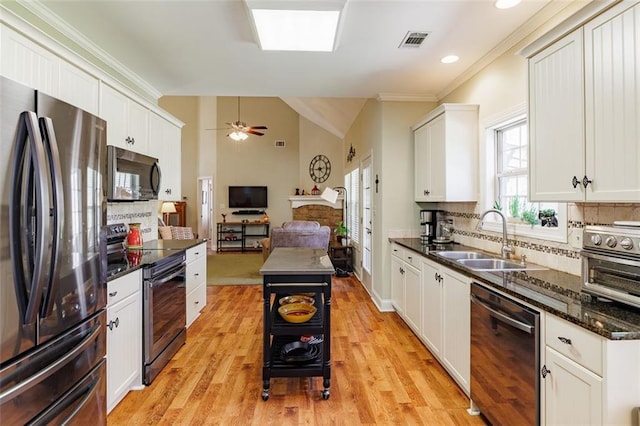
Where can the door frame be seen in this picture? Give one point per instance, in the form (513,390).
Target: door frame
(202,180)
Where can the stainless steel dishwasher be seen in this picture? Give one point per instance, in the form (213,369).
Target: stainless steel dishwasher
(505,342)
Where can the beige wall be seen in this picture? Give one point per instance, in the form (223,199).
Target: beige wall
(315,140)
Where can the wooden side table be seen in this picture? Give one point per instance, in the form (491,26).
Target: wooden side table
(341,256)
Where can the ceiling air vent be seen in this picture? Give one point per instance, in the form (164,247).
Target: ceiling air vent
(413,39)
(280,143)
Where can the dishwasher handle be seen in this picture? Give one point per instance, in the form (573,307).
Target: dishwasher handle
(515,323)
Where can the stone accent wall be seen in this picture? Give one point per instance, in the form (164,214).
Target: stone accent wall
(323,214)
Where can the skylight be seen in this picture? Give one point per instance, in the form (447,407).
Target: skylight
(296,29)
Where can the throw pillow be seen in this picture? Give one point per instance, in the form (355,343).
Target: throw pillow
(165,232)
(181,233)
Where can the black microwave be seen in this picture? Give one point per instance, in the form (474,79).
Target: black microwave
(131,176)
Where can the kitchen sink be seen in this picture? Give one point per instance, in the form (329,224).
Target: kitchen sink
(493,264)
(463,255)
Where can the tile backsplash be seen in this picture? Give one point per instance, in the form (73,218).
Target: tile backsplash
(561,256)
(143,212)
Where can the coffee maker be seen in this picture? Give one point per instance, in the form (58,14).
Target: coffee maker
(444,229)
(428,224)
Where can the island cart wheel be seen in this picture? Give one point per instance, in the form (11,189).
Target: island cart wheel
(265,394)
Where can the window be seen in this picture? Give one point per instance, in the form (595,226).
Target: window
(509,139)
(351,182)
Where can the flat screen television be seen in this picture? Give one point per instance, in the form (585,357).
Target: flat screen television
(252,197)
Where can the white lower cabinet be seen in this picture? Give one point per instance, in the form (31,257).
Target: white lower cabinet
(406,286)
(587,379)
(431,330)
(124,337)
(196,281)
(456,329)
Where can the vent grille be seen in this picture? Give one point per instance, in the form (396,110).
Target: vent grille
(413,39)
(280,144)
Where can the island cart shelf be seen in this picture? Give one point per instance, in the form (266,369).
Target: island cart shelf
(294,271)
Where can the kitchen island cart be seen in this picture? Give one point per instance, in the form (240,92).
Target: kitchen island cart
(289,271)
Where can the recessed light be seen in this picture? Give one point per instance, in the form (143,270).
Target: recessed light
(506,4)
(449,59)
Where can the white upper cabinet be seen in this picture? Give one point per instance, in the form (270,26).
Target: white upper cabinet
(28,63)
(556,121)
(127,120)
(31,64)
(165,143)
(584,110)
(445,144)
(612,89)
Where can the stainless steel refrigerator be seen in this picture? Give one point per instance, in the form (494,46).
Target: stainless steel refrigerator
(52,260)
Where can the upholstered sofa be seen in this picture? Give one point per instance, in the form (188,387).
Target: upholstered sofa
(297,233)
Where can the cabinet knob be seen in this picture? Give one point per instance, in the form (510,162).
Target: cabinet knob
(427,192)
(575,182)
(167,191)
(113,294)
(586,181)
(545,371)
(196,302)
(564,340)
(196,274)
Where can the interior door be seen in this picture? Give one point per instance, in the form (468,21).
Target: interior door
(367,222)
(205,209)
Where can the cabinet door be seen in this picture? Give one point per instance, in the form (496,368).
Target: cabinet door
(79,88)
(431,308)
(422,179)
(397,284)
(165,145)
(456,333)
(138,126)
(556,121)
(437,159)
(113,109)
(124,352)
(429,147)
(612,74)
(28,63)
(413,297)
(567,387)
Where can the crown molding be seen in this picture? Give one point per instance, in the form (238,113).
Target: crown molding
(400,97)
(42,12)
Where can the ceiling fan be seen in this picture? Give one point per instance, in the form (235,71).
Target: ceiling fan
(239,131)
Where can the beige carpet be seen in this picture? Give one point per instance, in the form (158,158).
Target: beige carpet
(234,268)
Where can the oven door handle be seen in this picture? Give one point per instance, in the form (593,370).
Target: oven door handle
(180,270)
(517,324)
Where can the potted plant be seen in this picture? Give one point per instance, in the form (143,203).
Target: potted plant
(341,232)
(548,218)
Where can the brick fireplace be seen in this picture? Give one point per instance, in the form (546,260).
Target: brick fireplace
(315,208)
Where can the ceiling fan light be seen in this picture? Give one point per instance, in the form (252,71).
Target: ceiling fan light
(237,135)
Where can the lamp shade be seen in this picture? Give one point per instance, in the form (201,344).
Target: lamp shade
(330,195)
(168,207)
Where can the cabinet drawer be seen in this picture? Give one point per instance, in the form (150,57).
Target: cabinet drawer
(196,252)
(397,251)
(411,257)
(196,273)
(124,286)
(575,343)
(196,300)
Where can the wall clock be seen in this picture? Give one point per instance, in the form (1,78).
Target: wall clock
(319,168)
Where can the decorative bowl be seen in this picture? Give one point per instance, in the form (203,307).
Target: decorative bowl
(297,298)
(297,312)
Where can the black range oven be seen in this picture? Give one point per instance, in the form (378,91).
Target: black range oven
(163,309)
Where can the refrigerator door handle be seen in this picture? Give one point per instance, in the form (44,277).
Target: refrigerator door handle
(28,130)
(53,155)
(29,382)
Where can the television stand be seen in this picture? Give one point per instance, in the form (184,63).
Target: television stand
(241,236)
(248,212)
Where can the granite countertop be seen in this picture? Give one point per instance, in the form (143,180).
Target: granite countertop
(297,261)
(550,290)
(151,252)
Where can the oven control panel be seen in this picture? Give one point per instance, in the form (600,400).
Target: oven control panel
(612,239)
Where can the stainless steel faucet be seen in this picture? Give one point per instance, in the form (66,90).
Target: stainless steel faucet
(506,248)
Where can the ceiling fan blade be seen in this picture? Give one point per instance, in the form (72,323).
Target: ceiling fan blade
(258,127)
(253,132)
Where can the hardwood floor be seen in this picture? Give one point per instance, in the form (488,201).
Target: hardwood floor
(381,373)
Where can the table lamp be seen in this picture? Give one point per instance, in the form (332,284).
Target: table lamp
(166,209)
